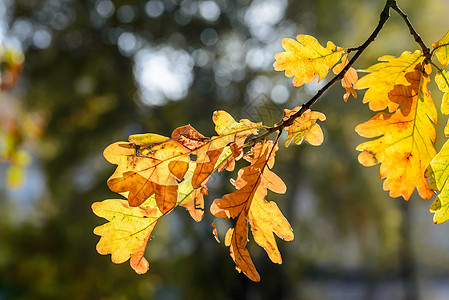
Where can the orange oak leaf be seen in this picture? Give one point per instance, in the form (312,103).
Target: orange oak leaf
(349,80)
(441,49)
(248,204)
(405,140)
(229,132)
(146,170)
(127,233)
(306,59)
(384,76)
(304,127)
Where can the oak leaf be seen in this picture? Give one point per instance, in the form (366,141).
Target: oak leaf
(384,76)
(306,59)
(146,170)
(127,233)
(304,127)
(248,204)
(441,49)
(438,173)
(405,140)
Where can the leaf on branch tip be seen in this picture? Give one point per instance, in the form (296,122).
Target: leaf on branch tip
(441,49)
(405,140)
(248,205)
(304,127)
(306,59)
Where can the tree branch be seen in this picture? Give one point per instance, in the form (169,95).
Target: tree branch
(384,15)
(416,36)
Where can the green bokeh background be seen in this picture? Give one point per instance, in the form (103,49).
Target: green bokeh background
(80,82)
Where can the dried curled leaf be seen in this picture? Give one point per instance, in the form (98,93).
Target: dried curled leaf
(248,204)
(126,234)
(438,173)
(306,59)
(349,80)
(304,127)
(384,76)
(405,140)
(441,49)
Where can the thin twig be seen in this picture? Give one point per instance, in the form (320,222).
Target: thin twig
(416,36)
(385,14)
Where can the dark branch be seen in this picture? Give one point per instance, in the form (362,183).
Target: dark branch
(418,39)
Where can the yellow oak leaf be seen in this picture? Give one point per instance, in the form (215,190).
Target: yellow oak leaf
(384,76)
(349,79)
(441,49)
(306,59)
(127,233)
(304,127)
(146,170)
(248,204)
(405,140)
(438,173)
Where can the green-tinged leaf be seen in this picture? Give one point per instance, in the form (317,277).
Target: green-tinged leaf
(442,80)
(126,234)
(438,173)
(304,127)
(441,49)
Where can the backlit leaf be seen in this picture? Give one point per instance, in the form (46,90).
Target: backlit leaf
(152,169)
(126,234)
(438,173)
(384,76)
(442,80)
(306,59)
(404,145)
(229,132)
(248,204)
(442,49)
(304,127)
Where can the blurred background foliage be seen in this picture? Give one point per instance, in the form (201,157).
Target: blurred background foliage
(96,71)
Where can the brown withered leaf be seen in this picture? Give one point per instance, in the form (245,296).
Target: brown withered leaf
(248,204)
